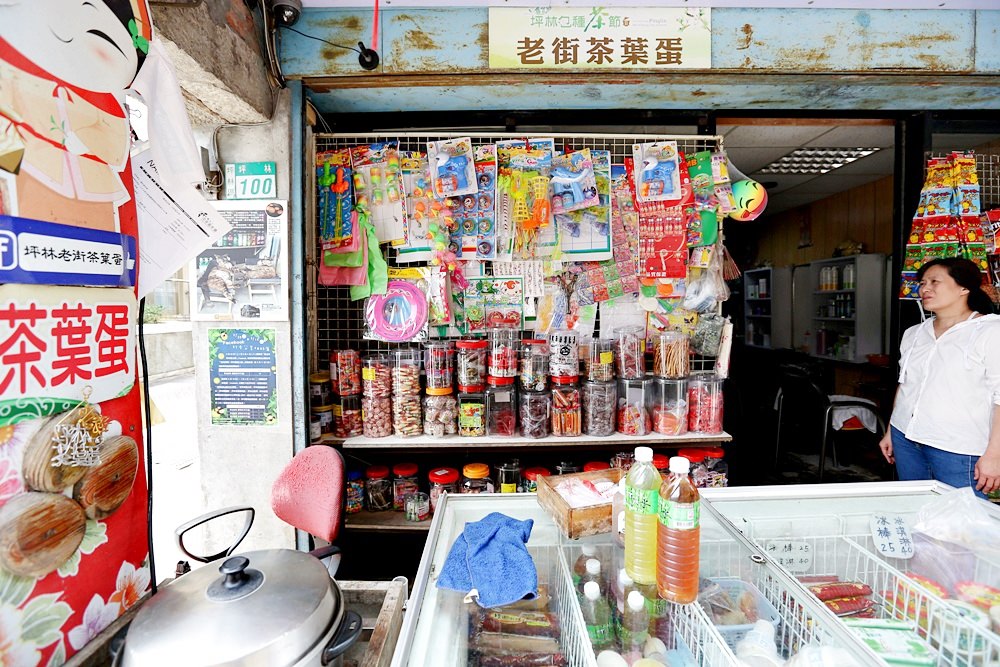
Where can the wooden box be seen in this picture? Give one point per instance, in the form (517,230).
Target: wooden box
(581,521)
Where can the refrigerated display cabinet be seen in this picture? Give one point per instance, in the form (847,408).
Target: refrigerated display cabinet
(739,528)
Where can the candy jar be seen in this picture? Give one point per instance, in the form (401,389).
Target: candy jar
(599,406)
(476,478)
(535,410)
(601,364)
(376,376)
(440,412)
(438,356)
(501,402)
(503,351)
(668,406)
(705,403)
(716,469)
(509,477)
(345,372)
(376,416)
(404,482)
(696,455)
(471,362)
(533,365)
(347,416)
(354,492)
(629,345)
(471,414)
(531,476)
(564,356)
(670,355)
(566,467)
(379,488)
(565,406)
(441,480)
(406,415)
(633,418)
(406,372)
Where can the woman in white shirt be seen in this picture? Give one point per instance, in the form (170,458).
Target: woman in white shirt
(945,423)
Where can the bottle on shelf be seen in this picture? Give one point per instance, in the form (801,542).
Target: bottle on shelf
(618,514)
(596,616)
(617,595)
(635,627)
(679,535)
(849,276)
(587,552)
(641,503)
(593,574)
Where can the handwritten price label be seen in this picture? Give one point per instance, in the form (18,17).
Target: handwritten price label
(892,536)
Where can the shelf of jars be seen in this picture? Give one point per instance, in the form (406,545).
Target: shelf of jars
(501,442)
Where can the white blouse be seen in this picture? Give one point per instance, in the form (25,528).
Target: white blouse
(949,385)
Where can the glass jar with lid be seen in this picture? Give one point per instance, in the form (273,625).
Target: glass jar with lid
(442,480)
(472,414)
(564,353)
(630,345)
(501,404)
(716,468)
(406,372)
(503,340)
(633,417)
(531,476)
(404,482)
(567,467)
(696,455)
(471,362)
(601,366)
(347,416)
(535,412)
(705,403)
(670,355)
(376,376)
(376,416)
(566,416)
(354,492)
(438,364)
(476,478)
(440,412)
(599,407)
(533,366)
(668,406)
(378,488)
(509,477)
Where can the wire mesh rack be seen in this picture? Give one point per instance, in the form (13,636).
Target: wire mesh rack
(335,321)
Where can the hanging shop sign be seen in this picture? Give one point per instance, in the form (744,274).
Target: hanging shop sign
(600,38)
(243,377)
(251,180)
(58,343)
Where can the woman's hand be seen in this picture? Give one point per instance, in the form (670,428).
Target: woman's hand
(885,444)
(987,472)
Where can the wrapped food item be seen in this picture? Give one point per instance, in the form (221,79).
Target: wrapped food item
(839,589)
(513,632)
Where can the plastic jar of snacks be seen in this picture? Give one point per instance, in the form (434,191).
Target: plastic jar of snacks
(705,403)
(376,416)
(345,372)
(442,480)
(633,418)
(376,376)
(404,482)
(440,412)
(594,466)
(509,477)
(531,476)
(566,467)
(472,414)
(347,416)
(503,351)
(438,360)
(378,488)
(406,372)
(629,349)
(354,492)
(471,362)
(325,414)
(668,406)
(670,355)
(601,364)
(564,355)
(696,455)
(599,406)
(716,468)
(535,412)
(501,406)
(476,478)
(319,389)
(533,366)
(406,415)
(566,416)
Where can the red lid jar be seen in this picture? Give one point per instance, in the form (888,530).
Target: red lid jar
(697,454)
(661,462)
(443,476)
(377,472)
(592,466)
(404,469)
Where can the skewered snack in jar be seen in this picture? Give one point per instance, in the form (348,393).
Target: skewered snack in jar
(670,355)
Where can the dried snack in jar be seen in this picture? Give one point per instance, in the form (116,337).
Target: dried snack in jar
(378,488)
(670,355)
(533,374)
(601,362)
(406,415)
(535,413)
(566,415)
(705,403)
(501,400)
(599,405)
(347,421)
(345,372)
(376,416)
(471,362)
(376,376)
(440,412)
(406,372)
(503,351)
(629,344)
(354,492)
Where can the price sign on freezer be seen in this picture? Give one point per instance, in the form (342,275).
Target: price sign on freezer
(251,180)
(891,536)
(794,556)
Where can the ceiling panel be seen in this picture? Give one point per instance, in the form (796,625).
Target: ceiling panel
(855,136)
(784,181)
(773,135)
(751,158)
(834,184)
(880,163)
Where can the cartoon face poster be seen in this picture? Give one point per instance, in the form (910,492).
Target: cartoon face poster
(72,469)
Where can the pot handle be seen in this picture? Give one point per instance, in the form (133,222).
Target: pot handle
(348,633)
(204,518)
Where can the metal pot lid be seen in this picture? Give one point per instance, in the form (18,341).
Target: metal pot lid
(263,607)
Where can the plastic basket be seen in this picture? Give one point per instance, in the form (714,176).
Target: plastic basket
(765,610)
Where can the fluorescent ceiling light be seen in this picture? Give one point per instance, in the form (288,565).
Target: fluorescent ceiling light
(816,160)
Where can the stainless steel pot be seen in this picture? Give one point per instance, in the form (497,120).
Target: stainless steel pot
(272,607)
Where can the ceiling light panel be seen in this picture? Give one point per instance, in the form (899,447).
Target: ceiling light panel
(816,160)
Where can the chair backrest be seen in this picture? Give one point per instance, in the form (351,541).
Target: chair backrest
(800,390)
(309,493)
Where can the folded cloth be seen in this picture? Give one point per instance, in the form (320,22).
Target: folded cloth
(843,414)
(490,562)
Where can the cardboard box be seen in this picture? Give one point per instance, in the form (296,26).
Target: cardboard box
(581,521)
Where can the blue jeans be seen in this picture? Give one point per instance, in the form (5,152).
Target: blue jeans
(917,461)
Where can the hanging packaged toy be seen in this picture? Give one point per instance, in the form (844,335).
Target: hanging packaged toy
(419,197)
(585,234)
(573,185)
(476,217)
(491,301)
(657,172)
(401,314)
(453,170)
(378,189)
(334,201)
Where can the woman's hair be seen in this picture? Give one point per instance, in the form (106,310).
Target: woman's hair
(966,274)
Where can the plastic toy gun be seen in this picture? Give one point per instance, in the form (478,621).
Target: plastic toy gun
(451,170)
(657,178)
(563,179)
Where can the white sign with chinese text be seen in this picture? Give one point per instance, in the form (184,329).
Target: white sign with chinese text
(891,535)
(795,556)
(600,38)
(57,341)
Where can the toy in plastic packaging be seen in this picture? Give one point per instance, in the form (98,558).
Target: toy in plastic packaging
(378,188)
(453,169)
(420,208)
(402,313)
(573,184)
(334,201)
(707,336)
(489,301)
(657,174)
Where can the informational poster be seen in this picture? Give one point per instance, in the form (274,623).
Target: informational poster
(242,276)
(243,376)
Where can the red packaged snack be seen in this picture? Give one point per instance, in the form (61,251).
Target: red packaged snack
(981,595)
(850,606)
(839,589)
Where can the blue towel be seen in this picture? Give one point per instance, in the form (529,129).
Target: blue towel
(490,562)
